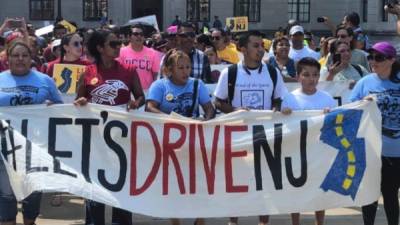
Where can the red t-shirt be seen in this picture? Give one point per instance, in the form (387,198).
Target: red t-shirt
(109,86)
(50,65)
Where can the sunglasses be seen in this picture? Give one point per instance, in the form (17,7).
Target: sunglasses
(187,35)
(377,58)
(77,44)
(217,38)
(137,33)
(115,44)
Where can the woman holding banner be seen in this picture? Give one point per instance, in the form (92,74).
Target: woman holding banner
(108,82)
(180,94)
(384,82)
(71,53)
(22,85)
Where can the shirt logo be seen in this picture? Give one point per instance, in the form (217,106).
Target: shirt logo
(108,92)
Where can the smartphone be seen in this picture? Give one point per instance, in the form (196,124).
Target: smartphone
(336,58)
(15,23)
(320,19)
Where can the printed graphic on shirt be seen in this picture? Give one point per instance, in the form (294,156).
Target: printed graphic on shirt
(143,64)
(23,95)
(388,103)
(107,92)
(67,80)
(183,103)
(253,99)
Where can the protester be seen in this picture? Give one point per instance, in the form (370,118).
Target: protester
(22,85)
(281,59)
(384,83)
(211,53)
(325,44)
(298,50)
(108,82)
(58,32)
(146,60)
(179,93)
(70,53)
(352,20)
(202,40)
(341,69)
(308,97)
(228,54)
(257,85)
(217,23)
(358,57)
(185,42)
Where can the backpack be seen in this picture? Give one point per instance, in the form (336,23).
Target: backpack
(358,68)
(232,74)
(194,96)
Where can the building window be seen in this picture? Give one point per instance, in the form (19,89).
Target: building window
(384,14)
(299,10)
(198,10)
(365,10)
(94,9)
(41,9)
(249,8)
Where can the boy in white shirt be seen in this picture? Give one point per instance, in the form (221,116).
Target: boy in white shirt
(308,97)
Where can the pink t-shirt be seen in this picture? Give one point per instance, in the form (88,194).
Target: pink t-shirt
(147,63)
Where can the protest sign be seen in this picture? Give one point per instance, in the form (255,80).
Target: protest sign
(240,164)
(237,24)
(152,20)
(66,77)
(71,28)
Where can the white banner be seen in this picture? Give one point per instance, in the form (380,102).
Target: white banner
(240,164)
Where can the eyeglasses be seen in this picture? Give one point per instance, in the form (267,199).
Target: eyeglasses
(137,33)
(377,58)
(217,38)
(77,44)
(115,44)
(187,35)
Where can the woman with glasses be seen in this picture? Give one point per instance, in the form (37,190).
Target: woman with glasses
(340,68)
(108,82)
(384,83)
(21,85)
(71,52)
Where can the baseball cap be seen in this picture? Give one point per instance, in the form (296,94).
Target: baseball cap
(296,29)
(384,48)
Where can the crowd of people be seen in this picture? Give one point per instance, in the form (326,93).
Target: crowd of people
(172,68)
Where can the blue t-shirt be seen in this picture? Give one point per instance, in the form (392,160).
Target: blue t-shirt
(179,99)
(388,95)
(33,88)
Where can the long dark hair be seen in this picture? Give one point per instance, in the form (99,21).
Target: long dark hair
(395,70)
(97,38)
(65,41)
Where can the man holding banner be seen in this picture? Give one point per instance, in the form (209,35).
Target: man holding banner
(250,84)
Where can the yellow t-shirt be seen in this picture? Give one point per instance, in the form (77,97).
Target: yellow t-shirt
(323,61)
(230,55)
(267,44)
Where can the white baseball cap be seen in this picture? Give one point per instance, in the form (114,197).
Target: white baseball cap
(296,29)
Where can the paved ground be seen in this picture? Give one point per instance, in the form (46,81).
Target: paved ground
(71,212)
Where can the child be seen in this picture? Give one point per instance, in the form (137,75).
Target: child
(308,97)
(176,93)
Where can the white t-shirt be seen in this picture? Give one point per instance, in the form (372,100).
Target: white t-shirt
(297,100)
(296,55)
(252,90)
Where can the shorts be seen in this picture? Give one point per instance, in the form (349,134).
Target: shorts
(8,202)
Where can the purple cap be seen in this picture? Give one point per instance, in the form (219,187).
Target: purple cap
(384,48)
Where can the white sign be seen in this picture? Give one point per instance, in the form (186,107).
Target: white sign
(240,164)
(152,20)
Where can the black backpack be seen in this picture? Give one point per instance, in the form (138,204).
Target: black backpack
(232,73)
